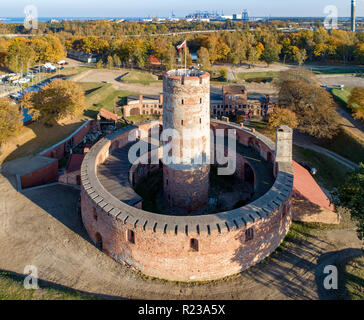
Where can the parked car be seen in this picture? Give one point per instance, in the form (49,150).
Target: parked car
(311,170)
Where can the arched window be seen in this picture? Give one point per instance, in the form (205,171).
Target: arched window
(99,244)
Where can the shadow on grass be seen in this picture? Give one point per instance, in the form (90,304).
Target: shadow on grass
(52,290)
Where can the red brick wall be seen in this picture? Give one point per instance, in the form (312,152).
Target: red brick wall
(169,256)
(57,152)
(40,177)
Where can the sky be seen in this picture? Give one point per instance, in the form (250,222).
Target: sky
(163,8)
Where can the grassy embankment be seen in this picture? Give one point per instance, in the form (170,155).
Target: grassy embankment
(144,78)
(35,137)
(352,278)
(12,288)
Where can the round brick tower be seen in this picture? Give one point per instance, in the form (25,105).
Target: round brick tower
(186,110)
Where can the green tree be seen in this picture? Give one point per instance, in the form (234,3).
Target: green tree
(351,195)
(57,100)
(11,119)
(300,57)
(270,55)
(204,59)
(223,73)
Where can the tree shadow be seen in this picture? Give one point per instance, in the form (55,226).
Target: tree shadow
(44,284)
(290,271)
(336,258)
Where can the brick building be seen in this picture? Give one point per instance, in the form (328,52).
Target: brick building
(235,101)
(138,105)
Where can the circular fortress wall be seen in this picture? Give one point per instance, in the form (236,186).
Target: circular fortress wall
(186,111)
(185,248)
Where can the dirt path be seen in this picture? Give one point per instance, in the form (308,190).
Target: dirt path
(41,227)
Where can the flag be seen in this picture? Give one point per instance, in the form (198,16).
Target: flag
(181,46)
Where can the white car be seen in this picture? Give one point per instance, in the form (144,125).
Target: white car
(24,80)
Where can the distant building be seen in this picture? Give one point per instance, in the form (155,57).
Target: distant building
(82,56)
(235,101)
(138,105)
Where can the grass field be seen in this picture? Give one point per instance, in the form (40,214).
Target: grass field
(11,288)
(101,95)
(257,76)
(342,96)
(139,77)
(338,70)
(330,173)
(345,145)
(353,278)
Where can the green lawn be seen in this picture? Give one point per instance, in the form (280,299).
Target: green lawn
(102,95)
(330,173)
(145,78)
(342,96)
(11,288)
(338,70)
(257,76)
(345,145)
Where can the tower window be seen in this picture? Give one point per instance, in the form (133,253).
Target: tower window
(249,234)
(131,236)
(200,120)
(194,244)
(95,214)
(183,101)
(200,100)
(182,122)
(167,182)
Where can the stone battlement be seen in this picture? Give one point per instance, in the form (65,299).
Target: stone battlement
(183,75)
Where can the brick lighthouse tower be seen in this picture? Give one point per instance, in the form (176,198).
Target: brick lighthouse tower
(187,112)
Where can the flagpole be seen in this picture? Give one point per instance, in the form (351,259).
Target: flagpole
(186,58)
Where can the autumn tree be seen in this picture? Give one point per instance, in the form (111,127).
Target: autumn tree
(282,116)
(297,74)
(313,106)
(57,100)
(20,55)
(356,103)
(11,119)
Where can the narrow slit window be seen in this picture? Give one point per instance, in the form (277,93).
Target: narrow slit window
(131,236)
(194,244)
(249,234)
